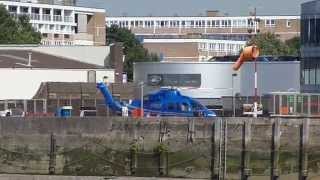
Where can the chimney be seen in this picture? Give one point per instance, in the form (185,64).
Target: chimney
(116,60)
(212,13)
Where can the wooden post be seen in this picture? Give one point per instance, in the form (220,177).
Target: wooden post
(163,162)
(215,146)
(163,130)
(245,159)
(133,159)
(52,154)
(191,131)
(303,153)
(275,149)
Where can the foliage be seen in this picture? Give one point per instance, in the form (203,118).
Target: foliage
(161,148)
(294,45)
(16,30)
(269,44)
(133,49)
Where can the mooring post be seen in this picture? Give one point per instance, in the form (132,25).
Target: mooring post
(215,146)
(191,131)
(275,149)
(245,158)
(303,152)
(163,130)
(133,158)
(52,154)
(163,162)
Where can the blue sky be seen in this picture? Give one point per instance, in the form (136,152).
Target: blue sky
(194,7)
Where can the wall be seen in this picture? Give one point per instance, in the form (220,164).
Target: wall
(191,148)
(216,77)
(24,83)
(272,77)
(174,51)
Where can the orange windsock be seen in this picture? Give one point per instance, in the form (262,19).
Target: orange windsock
(248,53)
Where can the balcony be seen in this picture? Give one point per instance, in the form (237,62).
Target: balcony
(68,19)
(35,16)
(57,18)
(46,17)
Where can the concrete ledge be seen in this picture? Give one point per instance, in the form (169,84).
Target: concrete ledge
(47,177)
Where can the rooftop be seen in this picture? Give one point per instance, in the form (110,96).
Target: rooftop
(20,59)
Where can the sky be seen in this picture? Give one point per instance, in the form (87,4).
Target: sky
(194,7)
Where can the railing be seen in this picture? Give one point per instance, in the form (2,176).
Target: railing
(34,16)
(46,17)
(57,43)
(57,18)
(68,19)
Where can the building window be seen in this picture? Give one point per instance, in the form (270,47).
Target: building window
(270,22)
(288,23)
(67,36)
(45,35)
(56,35)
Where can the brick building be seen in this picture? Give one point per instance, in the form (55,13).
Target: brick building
(200,38)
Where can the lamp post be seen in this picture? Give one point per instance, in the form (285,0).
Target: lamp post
(233,96)
(255,21)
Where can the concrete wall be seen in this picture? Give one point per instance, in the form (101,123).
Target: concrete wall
(24,83)
(101,146)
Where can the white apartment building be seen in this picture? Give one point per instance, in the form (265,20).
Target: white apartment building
(230,27)
(62,25)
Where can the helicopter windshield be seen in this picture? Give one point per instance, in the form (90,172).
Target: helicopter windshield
(196,106)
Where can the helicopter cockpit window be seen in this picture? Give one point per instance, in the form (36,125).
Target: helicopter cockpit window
(196,106)
(184,107)
(171,106)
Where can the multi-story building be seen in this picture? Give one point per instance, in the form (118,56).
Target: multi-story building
(310,47)
(216,27)
(62,24)
(192,49)
(200,38)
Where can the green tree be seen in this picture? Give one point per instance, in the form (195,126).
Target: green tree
(133,49)
(269,44)
(16,30)
(294,46)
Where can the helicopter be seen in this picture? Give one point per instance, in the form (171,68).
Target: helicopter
(165,102)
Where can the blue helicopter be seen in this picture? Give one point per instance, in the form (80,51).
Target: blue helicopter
(165,102)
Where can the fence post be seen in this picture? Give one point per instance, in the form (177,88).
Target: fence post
(52,154)
(275,147)
(303,152)
(215,146)
(245,159)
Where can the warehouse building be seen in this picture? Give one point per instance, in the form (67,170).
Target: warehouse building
(23,71)
(210,81)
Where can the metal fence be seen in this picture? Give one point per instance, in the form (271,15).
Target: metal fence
(44,107)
